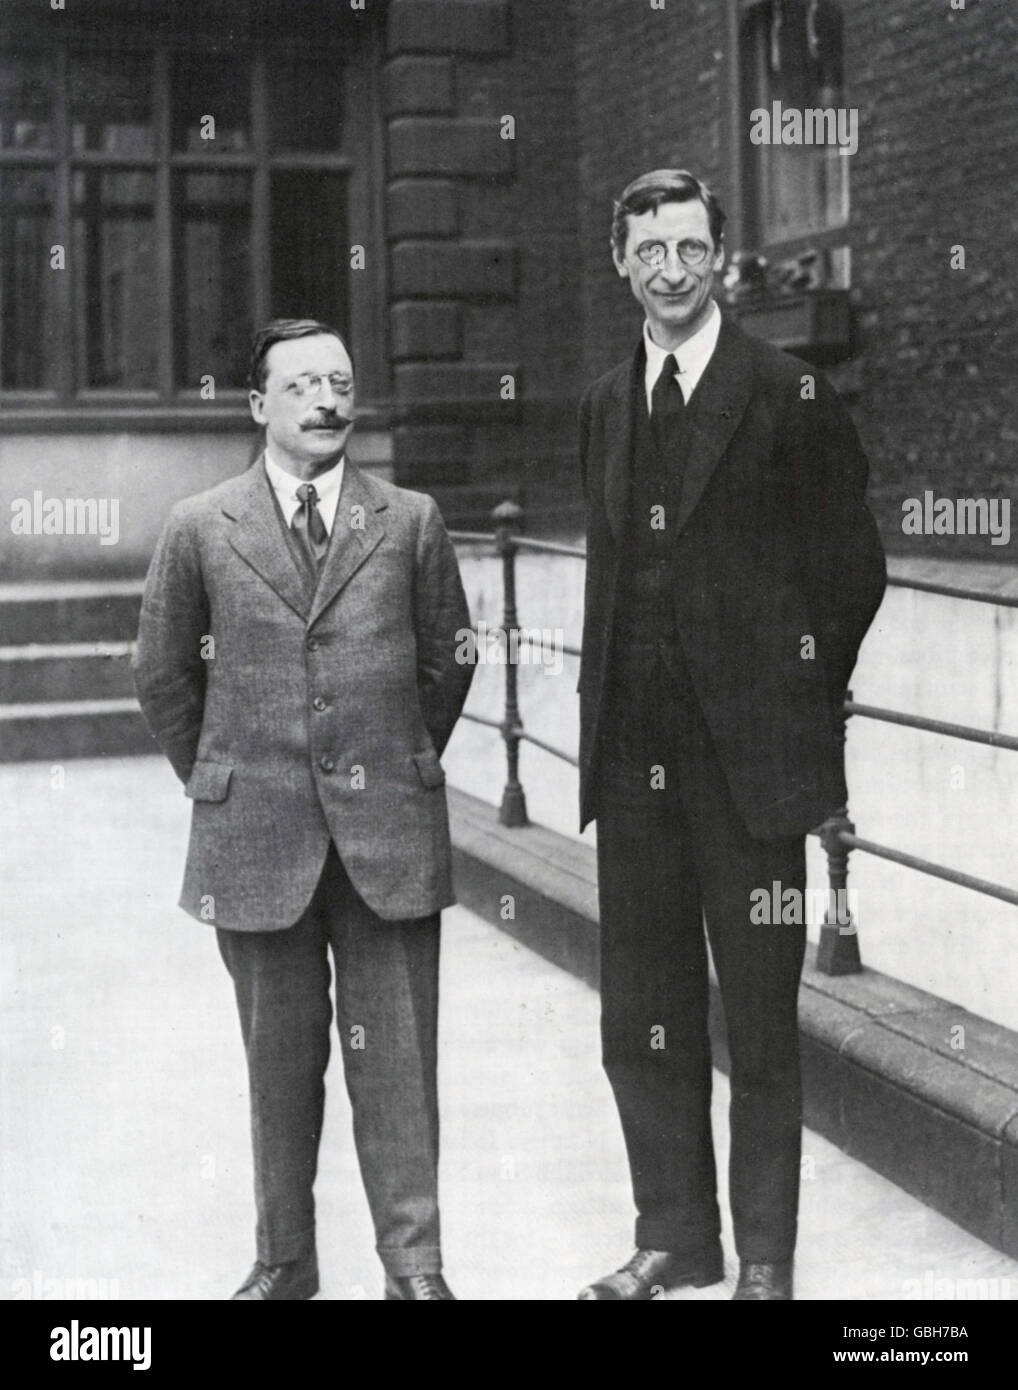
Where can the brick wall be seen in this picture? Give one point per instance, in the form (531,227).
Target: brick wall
(649,95)
(936,168)
(499,261)
(931,382)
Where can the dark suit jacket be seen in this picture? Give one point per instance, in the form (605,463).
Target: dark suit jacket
(304,687)
(773,542)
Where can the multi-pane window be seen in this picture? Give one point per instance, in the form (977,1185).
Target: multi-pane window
(795,194)
(156,203)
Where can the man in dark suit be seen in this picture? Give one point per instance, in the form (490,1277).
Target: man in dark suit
(296,662)
(733,569)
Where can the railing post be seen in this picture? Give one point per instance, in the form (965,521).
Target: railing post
(508,519)
(838,952)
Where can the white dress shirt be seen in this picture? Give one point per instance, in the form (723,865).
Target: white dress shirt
(327,485)
(693,356)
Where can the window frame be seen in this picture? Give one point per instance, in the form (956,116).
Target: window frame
(743,217)
(168,405)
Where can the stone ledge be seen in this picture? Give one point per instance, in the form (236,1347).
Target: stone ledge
(881,1078)
(73,729)
(70,611)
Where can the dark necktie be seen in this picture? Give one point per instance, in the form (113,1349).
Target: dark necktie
(309,527)
(666,399)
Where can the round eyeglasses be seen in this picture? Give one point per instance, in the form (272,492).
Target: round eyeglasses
(691,252)
(310,384)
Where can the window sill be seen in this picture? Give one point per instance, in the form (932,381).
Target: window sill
(816,323)
(151,419)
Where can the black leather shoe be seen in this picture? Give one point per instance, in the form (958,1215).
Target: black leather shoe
(417,1288)
(281,1283)
(760,1282)
(652,1272)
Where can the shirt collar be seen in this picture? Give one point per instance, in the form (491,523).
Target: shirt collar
(326,484)
(694,354)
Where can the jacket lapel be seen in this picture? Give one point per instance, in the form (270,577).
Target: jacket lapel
(720,401)
(618,444)
(258,539)
(351,542)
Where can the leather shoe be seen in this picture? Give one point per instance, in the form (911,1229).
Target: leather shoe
(284,1283)
(649,1273)
(417,1288)
(761,1282)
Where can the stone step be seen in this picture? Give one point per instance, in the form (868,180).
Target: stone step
(65,671)
(101,611)
(72,729)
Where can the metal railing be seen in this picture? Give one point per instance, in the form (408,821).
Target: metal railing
(838,952)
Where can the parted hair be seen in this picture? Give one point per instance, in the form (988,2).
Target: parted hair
(281,331)
(649,191)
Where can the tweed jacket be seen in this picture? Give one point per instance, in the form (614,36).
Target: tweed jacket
(295,713)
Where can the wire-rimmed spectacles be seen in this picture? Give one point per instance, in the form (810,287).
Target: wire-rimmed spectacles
(691,251)
(310,384)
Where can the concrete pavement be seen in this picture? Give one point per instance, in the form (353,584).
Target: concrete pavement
(126,1167)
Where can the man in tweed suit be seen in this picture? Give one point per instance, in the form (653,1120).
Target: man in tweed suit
(296,662)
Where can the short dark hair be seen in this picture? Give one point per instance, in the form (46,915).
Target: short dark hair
(649,191)
(282,331)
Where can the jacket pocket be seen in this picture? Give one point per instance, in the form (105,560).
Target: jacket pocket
(209,781)
(430,770)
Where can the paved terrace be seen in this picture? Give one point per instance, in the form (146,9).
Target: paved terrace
(126,1168)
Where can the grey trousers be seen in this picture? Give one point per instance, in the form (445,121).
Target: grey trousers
(386,1015)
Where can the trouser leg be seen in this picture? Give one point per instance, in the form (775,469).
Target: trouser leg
(661,855)
(656,1047)
(387,1017)
(758,968)
(281,981)
(654,982)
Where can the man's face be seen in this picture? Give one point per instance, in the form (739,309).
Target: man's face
(307,404)
(675,296)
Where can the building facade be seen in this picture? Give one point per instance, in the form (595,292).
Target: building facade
(436,177)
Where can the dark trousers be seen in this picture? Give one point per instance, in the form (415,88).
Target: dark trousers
(669,860)
(386,1015)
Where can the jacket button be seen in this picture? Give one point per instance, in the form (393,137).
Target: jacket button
(318,703)
(327,765)
(312,644)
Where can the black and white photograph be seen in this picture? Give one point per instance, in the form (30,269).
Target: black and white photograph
(509,663)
